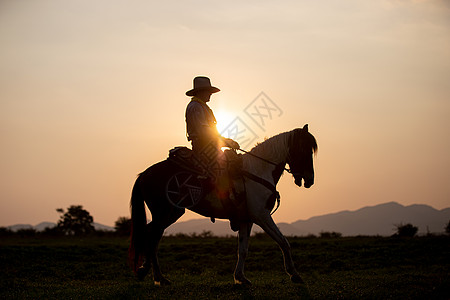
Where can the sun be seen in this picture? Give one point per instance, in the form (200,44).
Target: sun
(224,118)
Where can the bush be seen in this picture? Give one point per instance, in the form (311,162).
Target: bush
(407,230)
(206,234)
(123,226)
(326,234)
(52,231)
(447,228)
(260,235)
(26,232)
(180,235)
(4,231)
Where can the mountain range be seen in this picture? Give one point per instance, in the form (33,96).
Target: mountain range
(43,225)
(380,220)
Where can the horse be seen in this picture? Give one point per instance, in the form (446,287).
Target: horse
(262,167)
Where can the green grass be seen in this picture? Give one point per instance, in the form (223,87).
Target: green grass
(202,268)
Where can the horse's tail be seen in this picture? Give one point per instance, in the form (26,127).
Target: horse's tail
(138,227)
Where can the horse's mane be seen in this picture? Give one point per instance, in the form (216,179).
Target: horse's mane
(270,146)
(286,139)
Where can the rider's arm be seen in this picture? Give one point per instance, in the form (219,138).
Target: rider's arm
(201,124)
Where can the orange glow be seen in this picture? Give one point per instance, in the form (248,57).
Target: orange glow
(224,118)
(89,99)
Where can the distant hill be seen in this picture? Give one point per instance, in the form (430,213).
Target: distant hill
(99,226)
(377,220)
(41,226)
(197,226)
(20,226)
(371,220)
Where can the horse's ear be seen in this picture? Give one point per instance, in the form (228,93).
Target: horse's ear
(305,127)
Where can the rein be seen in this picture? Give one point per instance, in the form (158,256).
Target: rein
(264,160)
(264,182)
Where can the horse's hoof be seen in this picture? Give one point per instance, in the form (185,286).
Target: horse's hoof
(162,282)
(141,273)
(297,279)
(242,281)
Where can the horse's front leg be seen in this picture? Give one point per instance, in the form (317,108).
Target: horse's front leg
(268,225)
(243,236)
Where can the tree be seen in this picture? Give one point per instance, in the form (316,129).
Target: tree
(26,232)
(4,231)
(123,226)
(407,230)
(76,221)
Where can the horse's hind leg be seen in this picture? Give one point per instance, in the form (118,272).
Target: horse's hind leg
(155,230)
(151,247)
(268,225)
(244,236)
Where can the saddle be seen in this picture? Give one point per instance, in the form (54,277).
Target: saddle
(184,158)
(224,177)
(230,164)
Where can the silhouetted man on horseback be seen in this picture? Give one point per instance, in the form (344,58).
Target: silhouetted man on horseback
(171,186)
(207,142)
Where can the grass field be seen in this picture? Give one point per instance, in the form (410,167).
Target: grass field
(202,268)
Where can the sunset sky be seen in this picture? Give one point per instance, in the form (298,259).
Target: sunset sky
(93,92)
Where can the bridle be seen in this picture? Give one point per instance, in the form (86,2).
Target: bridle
(264,182)
(289,170)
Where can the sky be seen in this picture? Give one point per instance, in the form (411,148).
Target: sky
(93,92)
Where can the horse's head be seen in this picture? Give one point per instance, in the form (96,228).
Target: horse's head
(302,145)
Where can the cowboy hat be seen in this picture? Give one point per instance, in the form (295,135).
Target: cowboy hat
(201,83)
